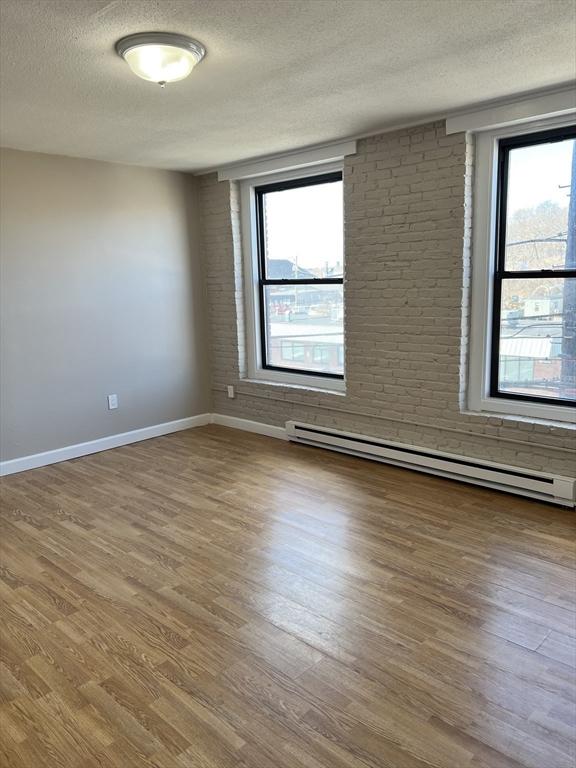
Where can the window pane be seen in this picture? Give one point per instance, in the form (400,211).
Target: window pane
(292,351)
(303,231)
(538,338)
(539,181)
(321,354)
(304,327)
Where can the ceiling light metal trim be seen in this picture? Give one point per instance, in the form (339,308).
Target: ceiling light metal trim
(126,44)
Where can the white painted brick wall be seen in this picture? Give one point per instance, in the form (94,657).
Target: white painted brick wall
(407,239)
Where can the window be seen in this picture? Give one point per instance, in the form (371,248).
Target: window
(322,354)
(293,351)
(534,305)
(297,273)
(522,353)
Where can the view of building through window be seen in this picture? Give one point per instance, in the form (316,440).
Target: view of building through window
(537,323)
(302,291)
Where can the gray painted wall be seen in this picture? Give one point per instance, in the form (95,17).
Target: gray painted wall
(102,292)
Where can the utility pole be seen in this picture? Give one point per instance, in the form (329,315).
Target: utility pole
(568,371)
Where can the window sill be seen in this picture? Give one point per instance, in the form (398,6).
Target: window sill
(524,413)
(304,383)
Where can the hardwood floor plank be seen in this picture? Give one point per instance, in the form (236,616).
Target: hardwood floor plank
(559,647)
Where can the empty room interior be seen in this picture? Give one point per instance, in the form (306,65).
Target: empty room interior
(288,383)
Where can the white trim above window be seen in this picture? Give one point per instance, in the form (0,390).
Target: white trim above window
(484,216)
(288,162)
(539,106)
(249,226)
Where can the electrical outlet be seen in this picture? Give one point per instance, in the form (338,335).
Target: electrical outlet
(112,402)
(231,394)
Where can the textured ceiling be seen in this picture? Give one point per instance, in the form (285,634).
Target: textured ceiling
(279,74)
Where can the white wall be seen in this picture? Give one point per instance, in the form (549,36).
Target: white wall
(407,231)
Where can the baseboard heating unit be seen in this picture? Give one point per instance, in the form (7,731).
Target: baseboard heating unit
(525,482)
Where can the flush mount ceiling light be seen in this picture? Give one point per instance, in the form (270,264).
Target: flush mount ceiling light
(160,57)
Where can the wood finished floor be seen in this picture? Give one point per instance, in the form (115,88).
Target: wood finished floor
(214,599)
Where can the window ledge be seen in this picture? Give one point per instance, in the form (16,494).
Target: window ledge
(336,387)
(514,418)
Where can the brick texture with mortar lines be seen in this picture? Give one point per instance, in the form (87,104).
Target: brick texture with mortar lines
(407,200)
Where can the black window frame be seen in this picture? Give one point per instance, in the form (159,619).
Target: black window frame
(264,281)
(501,273)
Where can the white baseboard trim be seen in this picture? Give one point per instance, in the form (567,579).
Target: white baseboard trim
(37,460)
(125,438)
(103,444)
(249,426)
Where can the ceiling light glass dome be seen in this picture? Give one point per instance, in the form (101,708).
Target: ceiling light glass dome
(160,57)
